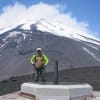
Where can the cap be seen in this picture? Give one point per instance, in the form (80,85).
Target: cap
(38,49)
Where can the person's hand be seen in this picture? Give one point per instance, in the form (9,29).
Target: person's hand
(45,66)
(33,64)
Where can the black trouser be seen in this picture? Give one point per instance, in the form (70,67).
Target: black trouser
(39,72)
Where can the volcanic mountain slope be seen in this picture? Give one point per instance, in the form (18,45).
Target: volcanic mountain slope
(71,49)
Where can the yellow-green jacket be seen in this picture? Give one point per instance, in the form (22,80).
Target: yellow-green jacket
(39,61)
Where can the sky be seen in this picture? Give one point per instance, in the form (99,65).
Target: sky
(82,13)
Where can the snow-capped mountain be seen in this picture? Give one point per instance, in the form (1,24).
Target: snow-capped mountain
(56,28)
(72,48)
(61,29)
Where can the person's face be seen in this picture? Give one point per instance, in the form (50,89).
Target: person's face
(39,52)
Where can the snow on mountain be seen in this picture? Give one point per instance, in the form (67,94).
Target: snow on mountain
(91,53)
(55,27)
(13,34)
(3,30)
(62,29)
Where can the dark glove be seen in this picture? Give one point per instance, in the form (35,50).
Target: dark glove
(44,66)
(33,65)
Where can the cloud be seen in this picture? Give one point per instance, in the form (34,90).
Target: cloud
(18,13)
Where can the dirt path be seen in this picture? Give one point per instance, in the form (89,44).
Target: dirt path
(16,96)
(97,95)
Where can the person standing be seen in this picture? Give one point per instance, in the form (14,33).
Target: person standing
(39,61)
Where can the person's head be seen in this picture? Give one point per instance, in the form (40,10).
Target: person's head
(39,50)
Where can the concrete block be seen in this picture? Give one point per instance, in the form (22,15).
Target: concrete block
(57,92)
(29,88)
(52,90)
(80,91)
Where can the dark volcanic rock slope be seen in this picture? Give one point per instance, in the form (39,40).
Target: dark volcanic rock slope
(18,45)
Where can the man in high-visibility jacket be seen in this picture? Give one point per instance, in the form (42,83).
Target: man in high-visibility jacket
(39,61)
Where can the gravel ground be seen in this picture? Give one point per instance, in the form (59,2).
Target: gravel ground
(16,96)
